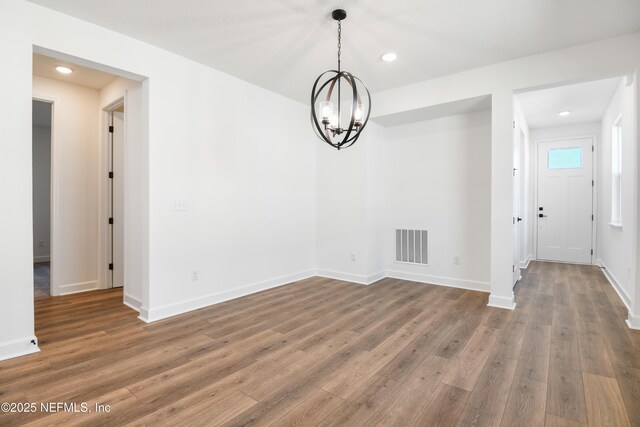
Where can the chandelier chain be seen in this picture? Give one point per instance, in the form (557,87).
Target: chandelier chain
(339,42)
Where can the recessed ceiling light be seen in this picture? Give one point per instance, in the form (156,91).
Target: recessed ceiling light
(564,113)
(389,57)
(64,70)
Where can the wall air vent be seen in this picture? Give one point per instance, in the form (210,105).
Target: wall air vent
(412,246)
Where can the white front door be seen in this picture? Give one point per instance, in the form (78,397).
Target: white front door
(565,192)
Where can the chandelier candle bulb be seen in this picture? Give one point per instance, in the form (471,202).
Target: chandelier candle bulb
(347,92)
(358,115)
(326,108)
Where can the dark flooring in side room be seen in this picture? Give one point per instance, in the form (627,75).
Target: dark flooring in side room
(41,277)
(328,352)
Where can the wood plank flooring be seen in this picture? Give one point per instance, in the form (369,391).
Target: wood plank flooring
(326,352)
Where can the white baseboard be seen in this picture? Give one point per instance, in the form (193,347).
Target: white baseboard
(74,288)
(360,279)
(132,302)
(633,321)
(19,347)
(525,264)
(615,284)
(157,313)
(41,258)
(375,277)
(471,285)
(497,301)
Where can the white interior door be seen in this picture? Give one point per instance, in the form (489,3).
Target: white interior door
(565,192)
(118,199)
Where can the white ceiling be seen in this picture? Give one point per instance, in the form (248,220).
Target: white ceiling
(45,66)
(283,45)
(587,102)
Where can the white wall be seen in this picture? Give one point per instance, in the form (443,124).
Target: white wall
(241,156)
(435,175)
(616,245)
(16,244)
(41,136)
(343,217)
(75,142)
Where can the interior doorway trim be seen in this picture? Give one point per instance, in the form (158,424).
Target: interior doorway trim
(53,196)
(594,198)
(106,241)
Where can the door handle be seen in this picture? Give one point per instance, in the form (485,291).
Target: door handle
(519,219)
(542,216)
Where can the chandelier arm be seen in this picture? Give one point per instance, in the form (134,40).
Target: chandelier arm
(349,79)
(354,138)
(330,90)
(314,97)
(366,120)
(322,136)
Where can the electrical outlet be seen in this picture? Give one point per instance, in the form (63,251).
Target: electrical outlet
(179,205)
(456,260)
(353,257)
(195,275)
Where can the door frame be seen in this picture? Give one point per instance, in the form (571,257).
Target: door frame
(516,191)
(594,191)
(105,194)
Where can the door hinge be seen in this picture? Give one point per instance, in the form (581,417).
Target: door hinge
(110,220)
(591,251)
(593,183)
(110,266)
(513,269)
(592,217)
(111,175)
(514,124)
(110,129)
(593,148)
(513,172)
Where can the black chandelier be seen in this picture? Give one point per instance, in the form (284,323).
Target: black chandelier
(328,120)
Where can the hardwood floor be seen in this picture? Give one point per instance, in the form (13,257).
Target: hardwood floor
(326,352)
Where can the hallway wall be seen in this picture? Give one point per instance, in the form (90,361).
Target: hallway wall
(75,142)
(616,244)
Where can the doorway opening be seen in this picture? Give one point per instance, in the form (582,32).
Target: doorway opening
(563,129)
(92,114)
(41,193)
